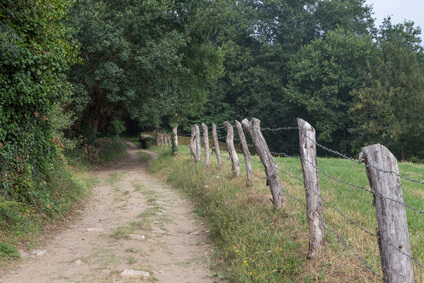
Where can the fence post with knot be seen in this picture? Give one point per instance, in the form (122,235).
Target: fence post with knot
(193,145)
(246,154)
(174,139)
(314,211)
(216,145)
(231,150)
(273,180)
(198,145)
(392,232)
(206,142)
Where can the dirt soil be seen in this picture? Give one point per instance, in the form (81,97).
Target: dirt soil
(134,228)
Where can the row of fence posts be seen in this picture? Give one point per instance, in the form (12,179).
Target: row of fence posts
(392,230)
(169,140)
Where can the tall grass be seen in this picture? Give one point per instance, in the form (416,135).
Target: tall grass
(256,243)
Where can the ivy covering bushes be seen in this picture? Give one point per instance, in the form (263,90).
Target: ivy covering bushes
(35,54)
(36,51)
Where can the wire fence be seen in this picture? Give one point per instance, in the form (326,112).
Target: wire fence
(328,203)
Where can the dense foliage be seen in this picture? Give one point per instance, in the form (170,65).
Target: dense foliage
(36,51)
(147,60)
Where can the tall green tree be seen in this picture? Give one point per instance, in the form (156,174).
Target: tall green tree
(389,106)
(150,60)
(35,53)
(323,74)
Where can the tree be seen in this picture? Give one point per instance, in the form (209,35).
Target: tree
(388,108)
(149,60)
(322,75)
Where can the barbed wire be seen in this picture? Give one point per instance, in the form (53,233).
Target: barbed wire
(335,233)
(360,162)
(338,211)
(279,129)
(350,220)
(362,188)
(334,151)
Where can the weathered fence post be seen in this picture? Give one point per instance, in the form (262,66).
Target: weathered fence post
(206,142)
(391,214)
(198,146)
(192,145)
(174,139)
(267,160)
(231,150)
(216,145)
(162,140)
(166,140)
(246,154)
(308,157)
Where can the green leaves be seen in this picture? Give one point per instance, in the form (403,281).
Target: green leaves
(35,51)
(388,107)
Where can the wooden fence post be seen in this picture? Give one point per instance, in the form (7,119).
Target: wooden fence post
(193,143)
(162,140)
(216,145)
(168,141)
(314,212)
(174,139)
(198,146)
(391,215)
(206,142)
(231,150)
(246,154)
(267,160)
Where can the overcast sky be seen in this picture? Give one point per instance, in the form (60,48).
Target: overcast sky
(412,10)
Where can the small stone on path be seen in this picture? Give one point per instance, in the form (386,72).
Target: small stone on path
(135,273)
(95,229)
(38,253)
(136,237)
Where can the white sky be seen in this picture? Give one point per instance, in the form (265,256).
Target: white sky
(399,10)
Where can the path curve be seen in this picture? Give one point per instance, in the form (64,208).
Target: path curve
(134,228)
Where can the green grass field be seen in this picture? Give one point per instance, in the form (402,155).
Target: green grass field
(256,243)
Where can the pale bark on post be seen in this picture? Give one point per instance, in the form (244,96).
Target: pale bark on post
(198,145)
(162,140)
(273,180)
(231,150)
(246,154)
(391,215)
(168,141)
(175,140)
(206,142)
(165,138)
(314,211)
(216,145)
(192,144)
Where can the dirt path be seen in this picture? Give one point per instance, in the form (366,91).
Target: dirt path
(135,228)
